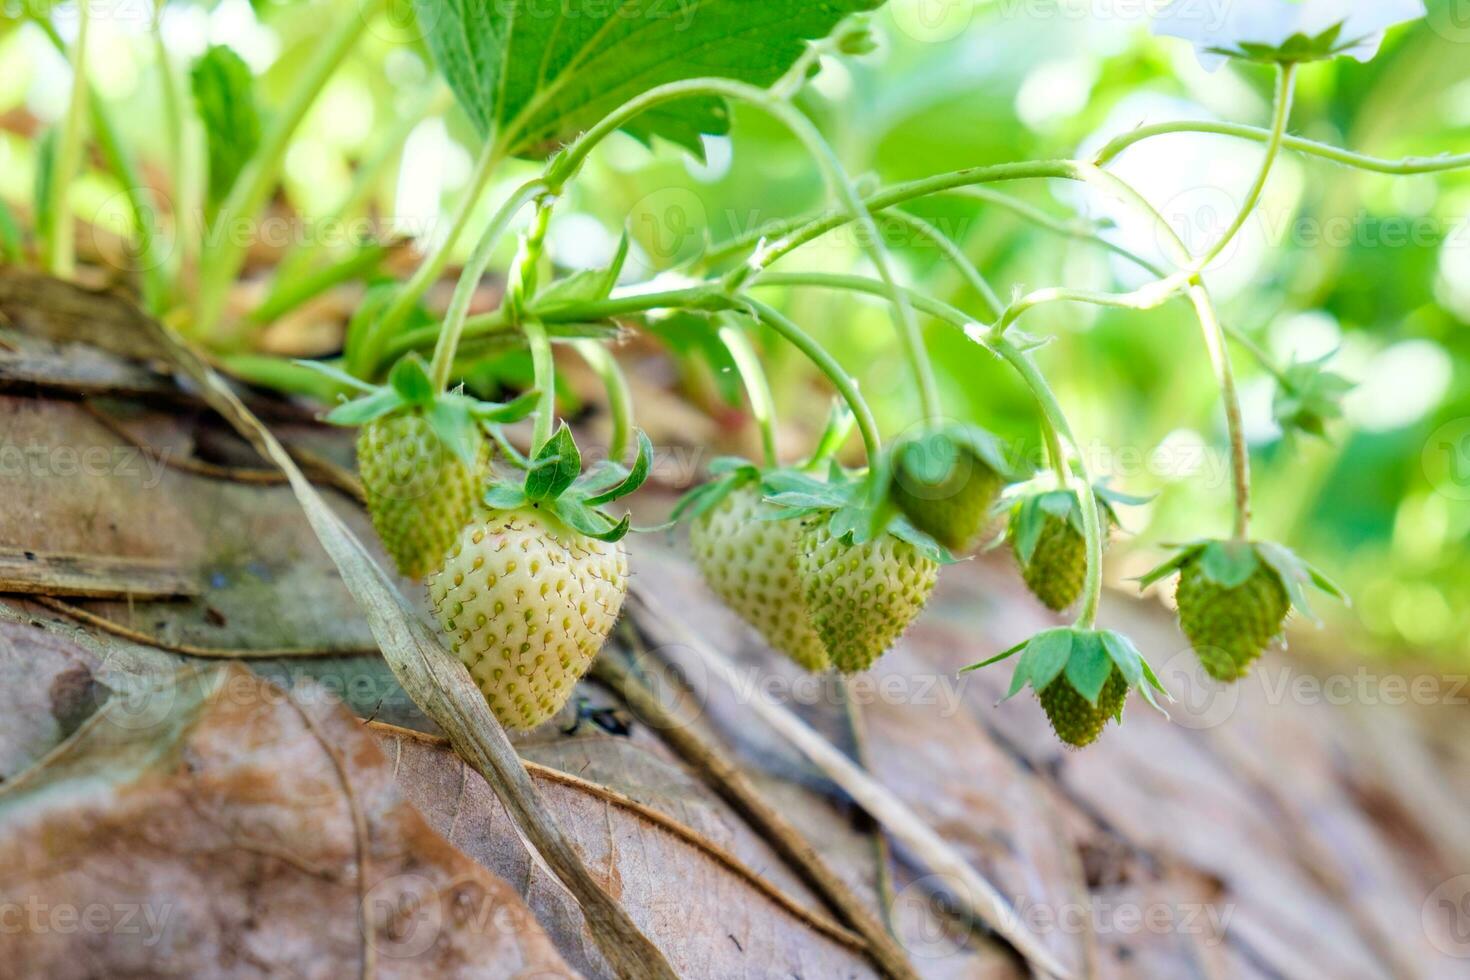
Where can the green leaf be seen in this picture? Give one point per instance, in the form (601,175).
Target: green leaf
(410,378)
(536,74)
(41,190)
(224,95)
(10,238)
(556,467)
(336,374)
(363,410)
(1089,666)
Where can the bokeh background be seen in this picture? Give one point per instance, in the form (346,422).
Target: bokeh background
(1375,268)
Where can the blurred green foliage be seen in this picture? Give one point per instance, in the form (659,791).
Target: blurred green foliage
(1375,267)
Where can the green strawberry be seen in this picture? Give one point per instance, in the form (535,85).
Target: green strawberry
(946,482)
(1234,597)
(1077,721)
(1046,532)
(750,561)
(1230,627)
(526,602)
(1081,677)
(861,596)
(1057,567)
(419,494)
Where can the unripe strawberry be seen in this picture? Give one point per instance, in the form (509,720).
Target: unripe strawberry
(526,602)
(1230,628)
(862,596)
(1058,566)
(1234,597)
(419,493)
(750,562)
(947,481)
(1076,721)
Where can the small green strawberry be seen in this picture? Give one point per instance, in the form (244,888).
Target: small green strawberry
(531,590)
(862,596)
(422,458)
(947,480)
(419,494)
(1234,597)
(1081,678)
(1047,537)
(750,560)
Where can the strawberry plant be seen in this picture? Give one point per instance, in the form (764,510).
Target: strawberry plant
(830,559)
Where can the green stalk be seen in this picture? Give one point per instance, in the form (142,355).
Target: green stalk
(824,362)
(1402,166)
(1081,482)
(951,251)
(173,110)
(757,388)
(619,398)
(1240,457)
(308,287)
(433,264)
(452,331)
(61,257)
(1281,114)
(544,368)
(10,237)
(364,179)
(123,168)
(566,165)
(224,254)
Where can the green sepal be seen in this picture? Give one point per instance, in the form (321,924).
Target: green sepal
(451,420)
(1045,659)
(504,413)
(410,378)
(505,496)
(589,286)
(555,467)
(1089,666)
(1228,564)
(1308,397)
(590,521)
(1181,558)
(360,411)
(1298,48)
(634,478)
(1032,506)
(729,473)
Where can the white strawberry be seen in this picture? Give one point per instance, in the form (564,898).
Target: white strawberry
(526,602)
(750,562)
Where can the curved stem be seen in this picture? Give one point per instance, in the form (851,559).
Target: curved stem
(224,254)
(1281,113)
(543,365)
(825,363)
(619,398)
(1239,452)
(450,333)
(1081,482)
(757,387)
(951,251)
(1403,166)
(838,183)
(61,257)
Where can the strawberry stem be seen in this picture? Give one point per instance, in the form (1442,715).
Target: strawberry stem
(757,387)
(619,398)
(452,330)
(544,369)
(825,363)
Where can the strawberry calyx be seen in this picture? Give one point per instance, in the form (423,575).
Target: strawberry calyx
(554,481)
(946,479)
(454,417)
(1030,505)
(1084,658)
(1229,564)
(853,503)
(1308,397)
